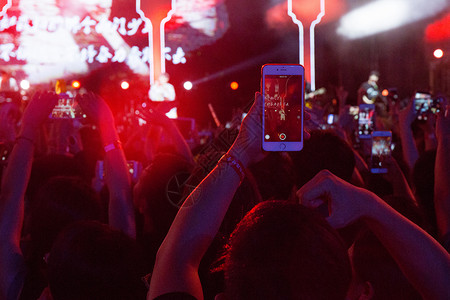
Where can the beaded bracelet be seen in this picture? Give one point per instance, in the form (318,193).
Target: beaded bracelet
(114,145)
(236,164)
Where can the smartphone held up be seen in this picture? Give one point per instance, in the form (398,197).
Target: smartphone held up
(381,150)
(282,87)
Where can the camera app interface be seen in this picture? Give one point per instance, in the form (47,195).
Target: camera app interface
(283,108)
(366,120)
(381,149)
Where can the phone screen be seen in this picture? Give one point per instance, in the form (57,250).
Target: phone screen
(66,108)
(381,149)
(366,120)
(422,104)
(283,108)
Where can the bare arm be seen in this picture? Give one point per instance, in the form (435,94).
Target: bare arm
(199,219)
(14,183)
(423,261)
(405,118)
(442,173)
(155,118)
(120,208)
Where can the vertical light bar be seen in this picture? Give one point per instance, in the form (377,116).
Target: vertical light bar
(150,40)
(5,8)
(301,45)
(151,37)
(163,36)
(312,44)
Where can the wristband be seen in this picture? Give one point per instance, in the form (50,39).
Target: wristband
(21,137)
(236,164)
(114,145)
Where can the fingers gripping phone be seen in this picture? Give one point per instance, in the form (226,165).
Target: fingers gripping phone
(366,120)
(381,149)
(282,89)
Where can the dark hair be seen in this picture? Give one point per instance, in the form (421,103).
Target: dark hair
(423,181)
(158,188)
(90,260)
(374,72)
(59,202)
(373,263)
(282,250)
(325,150)
(274,176)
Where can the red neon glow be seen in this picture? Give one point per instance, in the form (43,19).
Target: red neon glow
(234,85)
(439,30)
(124,85)
(438,53)
(76,84)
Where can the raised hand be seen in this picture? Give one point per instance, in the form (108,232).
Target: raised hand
(37,111)
(95,108)
(346,203)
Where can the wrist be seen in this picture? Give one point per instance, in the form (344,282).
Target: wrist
(235,163)
(239,155)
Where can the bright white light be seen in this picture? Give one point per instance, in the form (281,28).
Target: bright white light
(24,84)
(188,85)
(438,53)
(384,15)
(124,85)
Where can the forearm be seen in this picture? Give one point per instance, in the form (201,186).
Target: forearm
(410,152)
(423,261)
(442,187)
(179,142)
(14,184)
(120,209)
(192,232)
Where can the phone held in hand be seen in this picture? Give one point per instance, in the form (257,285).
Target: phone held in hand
(66,108)
(381,150)
(424,103)
(282,87)
(366,120)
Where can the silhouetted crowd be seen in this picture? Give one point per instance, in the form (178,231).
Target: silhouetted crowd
(92,210)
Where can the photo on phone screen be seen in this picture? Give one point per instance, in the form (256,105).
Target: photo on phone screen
(422,104)
(283,107)
(381,150)
(366,120)
(66,108)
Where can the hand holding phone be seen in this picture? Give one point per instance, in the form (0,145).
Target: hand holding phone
(381,150)
(282,87)
(66,108)
(366,120)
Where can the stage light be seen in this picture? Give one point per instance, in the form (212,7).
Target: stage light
(234,85)
(385,93)
(76,84)
(438,53)
(124,85)
(25,84)
(383,15)
(188,85)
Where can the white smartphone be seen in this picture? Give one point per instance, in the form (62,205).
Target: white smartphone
(366,120)
(381,149)
(282,87)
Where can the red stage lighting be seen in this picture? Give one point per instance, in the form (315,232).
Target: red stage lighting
(188,85)
(234,85)
(124,85)
(76,84)
(438,53)
(385,93)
